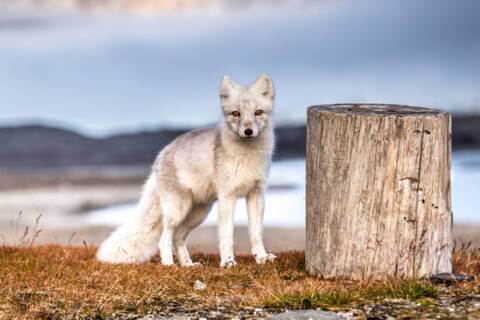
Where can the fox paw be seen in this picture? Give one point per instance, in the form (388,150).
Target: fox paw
(167,261)
(261,259)
(193,265)
(228,263)
(168,264)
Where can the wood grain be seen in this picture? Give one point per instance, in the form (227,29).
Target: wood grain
(378,191)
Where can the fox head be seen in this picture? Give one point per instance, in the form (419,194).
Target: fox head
(247,110)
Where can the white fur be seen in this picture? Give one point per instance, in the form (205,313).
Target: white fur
(224,164)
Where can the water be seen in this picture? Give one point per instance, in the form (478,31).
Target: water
(285,204)
(285,207)
(106,73)
(466,187)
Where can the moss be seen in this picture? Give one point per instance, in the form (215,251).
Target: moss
(309,300)
(411,290)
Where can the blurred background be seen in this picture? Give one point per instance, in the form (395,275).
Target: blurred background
(91,90)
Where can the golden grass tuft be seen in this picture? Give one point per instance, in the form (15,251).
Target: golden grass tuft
(58,282)
(466,259)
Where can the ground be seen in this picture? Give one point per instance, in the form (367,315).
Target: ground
(41,281)
(66,282)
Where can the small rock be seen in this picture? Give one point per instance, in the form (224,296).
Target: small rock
(199,285)
(449,278)
(258,310)
(306,315)
(347,315)
(397,301)
(215,314)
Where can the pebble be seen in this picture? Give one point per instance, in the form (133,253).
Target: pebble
(215,314)
(199,285)
(306,315)
(347,315)
(449,278)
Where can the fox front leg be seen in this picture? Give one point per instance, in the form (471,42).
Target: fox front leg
(226,208)
(255,208)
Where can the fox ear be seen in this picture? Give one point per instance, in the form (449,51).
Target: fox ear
(227,87)
(263,86)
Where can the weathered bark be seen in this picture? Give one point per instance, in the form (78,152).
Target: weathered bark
(378,191)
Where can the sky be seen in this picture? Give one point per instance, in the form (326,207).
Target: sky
(102,74)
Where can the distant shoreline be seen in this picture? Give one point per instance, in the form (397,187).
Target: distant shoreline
(142,6)
(204,238)
(132,6)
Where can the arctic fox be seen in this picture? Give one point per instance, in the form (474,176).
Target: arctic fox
(199,167)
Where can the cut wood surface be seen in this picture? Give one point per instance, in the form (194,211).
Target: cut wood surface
(378,191)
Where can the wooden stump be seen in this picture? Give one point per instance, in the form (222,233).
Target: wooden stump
(378,191)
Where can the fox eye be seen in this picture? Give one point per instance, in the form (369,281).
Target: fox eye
(258,112)
(236,114)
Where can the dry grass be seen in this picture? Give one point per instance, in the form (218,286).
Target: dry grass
(55,282)
(466,259)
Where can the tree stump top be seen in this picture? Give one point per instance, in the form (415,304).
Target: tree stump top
(374,109)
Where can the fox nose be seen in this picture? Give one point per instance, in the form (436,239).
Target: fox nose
(248,132)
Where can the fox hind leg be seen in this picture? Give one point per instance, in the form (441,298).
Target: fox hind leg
(194,218)
(175,209)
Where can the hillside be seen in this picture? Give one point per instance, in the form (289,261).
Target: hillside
(40,147)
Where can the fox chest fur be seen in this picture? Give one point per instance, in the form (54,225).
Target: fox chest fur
(228,169)
(240,171)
